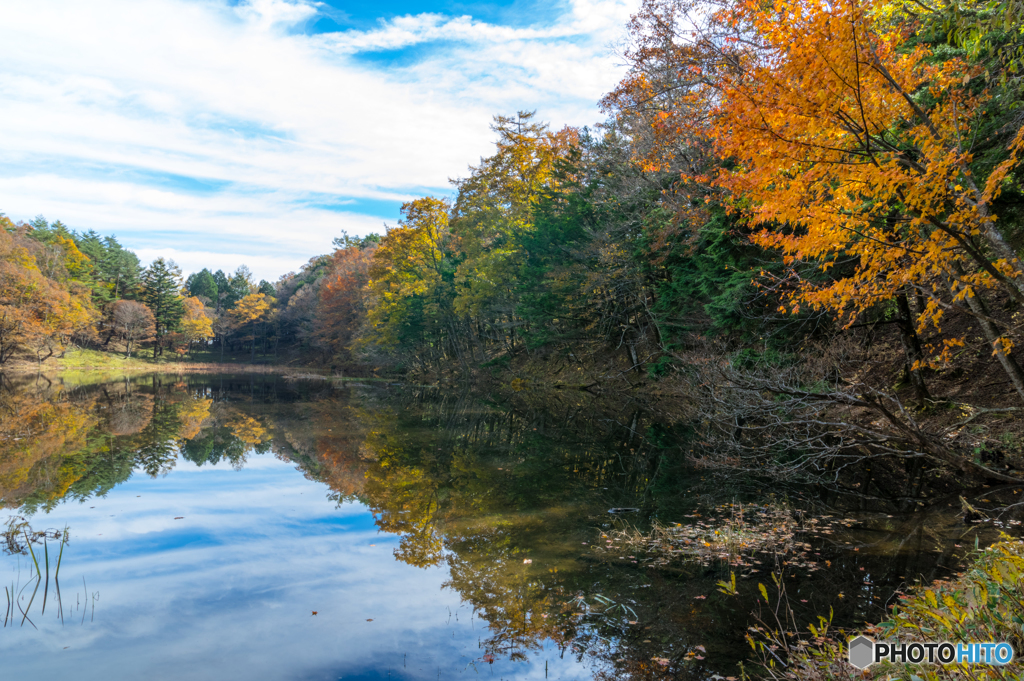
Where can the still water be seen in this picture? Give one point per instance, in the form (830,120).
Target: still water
(246,527)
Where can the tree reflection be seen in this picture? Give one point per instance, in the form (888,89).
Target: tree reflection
(498,496)
(43,438)
(58,442)
(509,499)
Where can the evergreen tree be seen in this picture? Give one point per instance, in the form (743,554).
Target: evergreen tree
(203,283)
(223,290)
(240,285)
(115,271)
(161,292)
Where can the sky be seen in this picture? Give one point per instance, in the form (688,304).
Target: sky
(220,132)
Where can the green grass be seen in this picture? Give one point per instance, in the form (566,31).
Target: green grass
(98,359)
(82,367)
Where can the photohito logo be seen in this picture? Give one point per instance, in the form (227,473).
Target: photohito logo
(865,652)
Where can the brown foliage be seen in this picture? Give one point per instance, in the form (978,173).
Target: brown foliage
(133,322)
(341,300)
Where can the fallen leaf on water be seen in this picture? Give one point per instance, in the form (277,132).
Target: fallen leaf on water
(488,658)
(663,661)
(699,598)
(314,612)
(180,517)
(701,649)
(527,561)
(369,620)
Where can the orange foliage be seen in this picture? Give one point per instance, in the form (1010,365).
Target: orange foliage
(36,313)
(836,160)
(816,110)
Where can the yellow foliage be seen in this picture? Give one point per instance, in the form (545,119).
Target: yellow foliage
(251,308)
(248,430)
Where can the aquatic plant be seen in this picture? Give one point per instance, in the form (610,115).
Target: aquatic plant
(984,603)
(22,546)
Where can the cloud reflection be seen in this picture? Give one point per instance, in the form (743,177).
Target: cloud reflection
(227,591)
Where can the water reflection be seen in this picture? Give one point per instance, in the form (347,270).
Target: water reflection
(456,537)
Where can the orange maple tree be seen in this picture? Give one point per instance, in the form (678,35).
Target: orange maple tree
(842,146)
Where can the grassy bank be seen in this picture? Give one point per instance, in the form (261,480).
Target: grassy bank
(99,364)
(985,603)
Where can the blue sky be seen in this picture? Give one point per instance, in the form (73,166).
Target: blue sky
(222,132)
(342,15)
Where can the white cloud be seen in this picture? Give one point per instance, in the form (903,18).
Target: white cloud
(115,109)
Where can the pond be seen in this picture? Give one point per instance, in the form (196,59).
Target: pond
(211,527)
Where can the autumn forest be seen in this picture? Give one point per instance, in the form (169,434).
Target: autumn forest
(649,399)
(800,220)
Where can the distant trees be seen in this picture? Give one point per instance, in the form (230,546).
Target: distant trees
(297,301)
(54,283)
(114,271)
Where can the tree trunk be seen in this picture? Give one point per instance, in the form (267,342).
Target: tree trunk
(993,336)
(911,348)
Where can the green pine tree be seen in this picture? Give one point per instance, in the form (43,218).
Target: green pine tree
(161,292)
(202,283)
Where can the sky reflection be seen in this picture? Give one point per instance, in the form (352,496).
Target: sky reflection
(228,590)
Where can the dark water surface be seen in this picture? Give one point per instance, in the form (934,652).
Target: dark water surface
(261,528)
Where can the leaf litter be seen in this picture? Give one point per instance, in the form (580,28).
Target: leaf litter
(737,534)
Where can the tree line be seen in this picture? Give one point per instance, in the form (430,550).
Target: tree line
(60,288)
(774,183)
(766,171)
(808,213)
